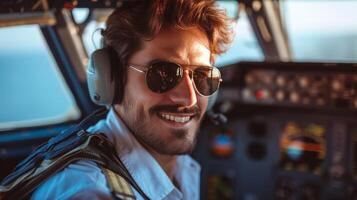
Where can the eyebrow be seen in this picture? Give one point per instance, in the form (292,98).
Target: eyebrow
(173,61)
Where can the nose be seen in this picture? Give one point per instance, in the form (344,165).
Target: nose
(184,93)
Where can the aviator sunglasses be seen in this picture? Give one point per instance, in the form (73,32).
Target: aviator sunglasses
(162,76)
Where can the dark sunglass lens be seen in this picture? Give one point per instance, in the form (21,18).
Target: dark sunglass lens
(206,80)
(163,76)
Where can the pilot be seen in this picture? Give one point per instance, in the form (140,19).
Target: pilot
(163,77)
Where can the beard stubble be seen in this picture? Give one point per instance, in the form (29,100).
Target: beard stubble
(174,142)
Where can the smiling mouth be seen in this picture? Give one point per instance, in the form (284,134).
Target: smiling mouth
(175,118)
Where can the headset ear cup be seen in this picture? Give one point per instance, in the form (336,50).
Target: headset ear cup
(211,101)
(99,80)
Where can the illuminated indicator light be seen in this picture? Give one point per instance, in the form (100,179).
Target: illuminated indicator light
(296,149)
(294,152)
(261,94)
(315,129)
(336,85)
(305,147)
(222,145)
(246,93)
(294,97)
(280,95)
(303,82)
(257,5)
(292,128)
(70,5)
(280,81)
(313,147)
(249,79)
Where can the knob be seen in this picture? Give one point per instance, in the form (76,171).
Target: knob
(304,82)
(294,97)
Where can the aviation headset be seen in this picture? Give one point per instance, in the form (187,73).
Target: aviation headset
(100,80)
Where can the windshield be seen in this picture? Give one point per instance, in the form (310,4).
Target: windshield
(321,30)
(33,91)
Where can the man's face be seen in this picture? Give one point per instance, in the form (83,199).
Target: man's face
(145,112)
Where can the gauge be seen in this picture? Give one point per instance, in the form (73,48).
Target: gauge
(222,143)
(220,187)
(302,147)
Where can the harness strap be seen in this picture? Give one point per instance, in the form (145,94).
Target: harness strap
(118,186)
(95,148)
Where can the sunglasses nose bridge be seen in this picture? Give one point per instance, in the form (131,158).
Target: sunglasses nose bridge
(190,75)
(190,72)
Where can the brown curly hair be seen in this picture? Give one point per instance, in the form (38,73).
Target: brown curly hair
(135,20)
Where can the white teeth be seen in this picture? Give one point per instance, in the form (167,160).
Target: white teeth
(175,118)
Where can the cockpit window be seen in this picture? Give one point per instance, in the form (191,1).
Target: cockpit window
(321,30)
(32,90)
(245,46)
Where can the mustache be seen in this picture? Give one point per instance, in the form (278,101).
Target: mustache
(175,109)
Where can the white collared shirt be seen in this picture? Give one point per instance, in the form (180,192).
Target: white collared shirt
(85,180)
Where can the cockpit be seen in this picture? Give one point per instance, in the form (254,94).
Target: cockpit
(283,123)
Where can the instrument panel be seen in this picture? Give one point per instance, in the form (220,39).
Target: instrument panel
(300,89)
(291,133)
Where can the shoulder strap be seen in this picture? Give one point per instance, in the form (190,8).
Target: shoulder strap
(118,186)
(22,182)
(70,146)
(63,142)
(95,148)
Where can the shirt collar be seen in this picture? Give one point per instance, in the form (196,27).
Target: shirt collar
(145,170)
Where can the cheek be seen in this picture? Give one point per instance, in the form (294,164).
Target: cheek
(136,86)
(202,103)
(135,80)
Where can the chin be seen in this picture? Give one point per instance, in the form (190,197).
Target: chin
(178,145)
(177,149)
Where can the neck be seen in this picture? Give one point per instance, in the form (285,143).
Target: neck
(167,162)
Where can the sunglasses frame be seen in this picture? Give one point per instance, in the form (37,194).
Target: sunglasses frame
(135,67)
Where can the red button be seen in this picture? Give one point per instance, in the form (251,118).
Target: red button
(261,94)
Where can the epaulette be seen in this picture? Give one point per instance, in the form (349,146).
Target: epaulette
(68,147)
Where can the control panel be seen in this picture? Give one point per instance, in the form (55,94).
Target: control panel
(337,90)
(291,133)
